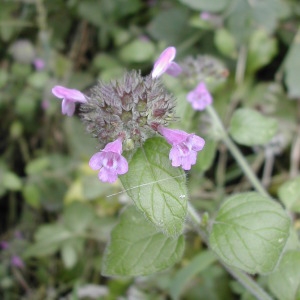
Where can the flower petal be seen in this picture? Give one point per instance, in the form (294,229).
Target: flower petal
(115,147)
(67,108)
(199,97)
(188,161)
(173,136)
(163,62)
(174,69)
(122,165)
(175,157)
(70,94)
(197,143)
(106,175)
(96,161)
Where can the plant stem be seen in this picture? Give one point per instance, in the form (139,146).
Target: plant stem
(194,214)
(236,152)
(249,284)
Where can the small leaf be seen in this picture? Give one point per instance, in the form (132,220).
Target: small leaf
(285,281)
(289,194)
(292,69)
(69,256)
(250,232)
(225,42)
(32,195)
(78,217)
(38,80)
(137,51)
(249,127)
(262,48)
(137,248)
(206,5)
(48,239)
(170,25)
(198,264)
(157,188)
(11,181)
(37,165)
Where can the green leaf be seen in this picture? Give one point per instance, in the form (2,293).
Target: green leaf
(11,181)
(207,5)
(250,232)
(225,42)
(89,10)
(289,194)
(71,250)
(245,17)
(285,281)
(157,188)
(262,48)
(137,51)
(48,239)
(78,217)
(36,166)
(32,195)
(137,248)
(292,69)
(170,26)
(249,127)
(68,255)
(198,264)
(38,79)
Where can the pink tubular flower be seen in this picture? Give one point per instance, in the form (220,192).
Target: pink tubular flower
(184,146)
(39,64)
(17,262)
(70,97)
(110,162)
(199,97)
(165,64)
(4,245)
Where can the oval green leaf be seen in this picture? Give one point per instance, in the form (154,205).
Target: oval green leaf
(284,282)
(289,194)
(206,5)
(249,127)
(157,188)
(250,232)
(137,248)
(137,51)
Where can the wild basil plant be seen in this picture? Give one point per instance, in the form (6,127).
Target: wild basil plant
(134,122)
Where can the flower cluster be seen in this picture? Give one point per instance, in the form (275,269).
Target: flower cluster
(202,68)
(123,114)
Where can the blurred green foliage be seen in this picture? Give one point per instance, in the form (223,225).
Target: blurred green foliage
(49,194)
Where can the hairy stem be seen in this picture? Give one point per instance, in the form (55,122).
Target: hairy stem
(236,152)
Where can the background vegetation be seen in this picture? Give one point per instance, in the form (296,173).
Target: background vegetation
(55,215)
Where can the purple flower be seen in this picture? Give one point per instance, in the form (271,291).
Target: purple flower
(39,64)
(110,162)
(16,261)
(4,245)
(165,64)
(205,15)
(199,97)
(184,146)
(70,97)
